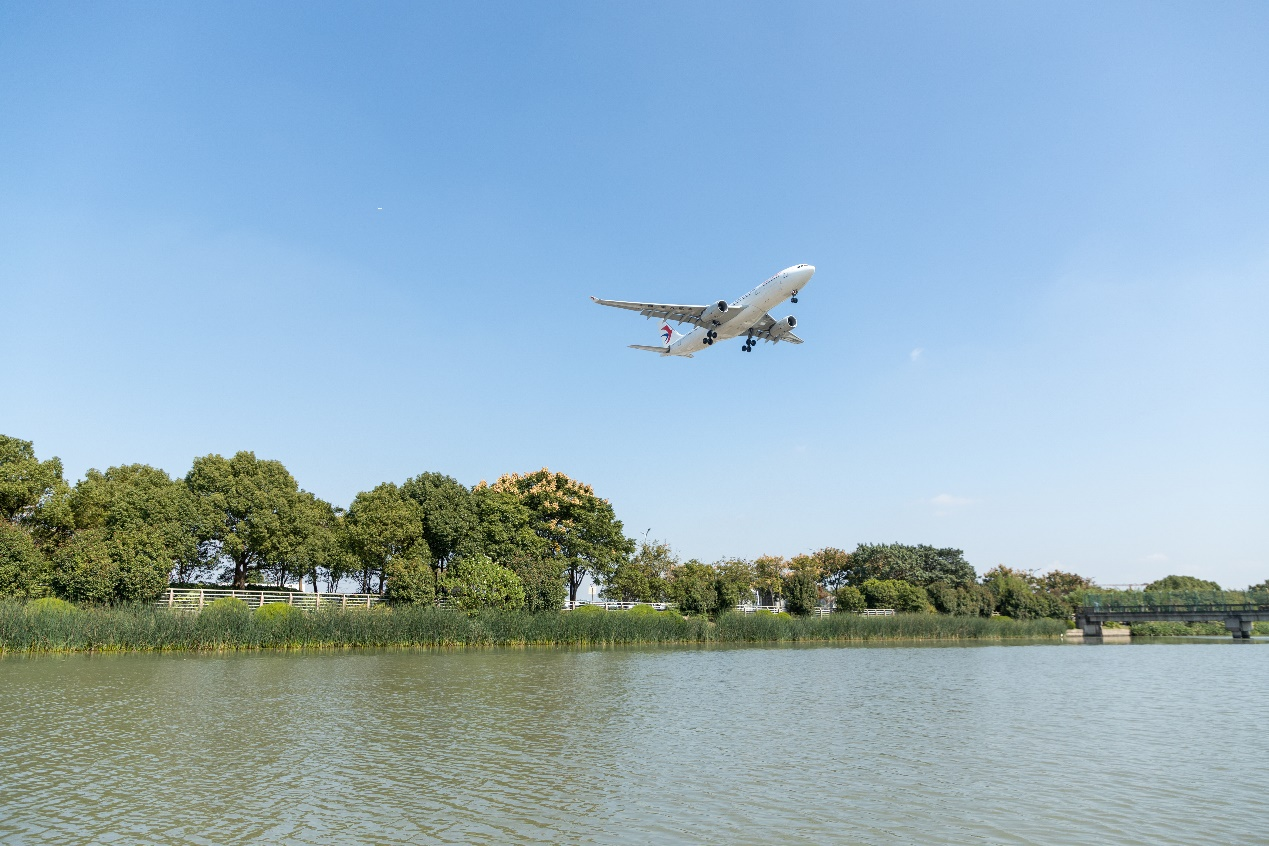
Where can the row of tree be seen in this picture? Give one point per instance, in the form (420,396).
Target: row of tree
(524,541)
(125,533)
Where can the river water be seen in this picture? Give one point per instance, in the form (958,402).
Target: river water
(1039,743)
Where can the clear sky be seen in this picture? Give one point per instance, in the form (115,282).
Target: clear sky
(360,238)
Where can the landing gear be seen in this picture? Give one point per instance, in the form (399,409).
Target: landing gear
(709,341)
(749,344)
(794,299)
(711,334)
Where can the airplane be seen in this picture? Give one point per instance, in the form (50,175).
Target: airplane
(715,322)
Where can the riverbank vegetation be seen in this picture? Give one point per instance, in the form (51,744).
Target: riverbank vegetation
(56,626)
(524,543)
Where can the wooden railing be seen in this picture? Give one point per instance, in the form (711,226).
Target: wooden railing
(196,598)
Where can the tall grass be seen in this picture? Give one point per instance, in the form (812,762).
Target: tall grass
(147,629)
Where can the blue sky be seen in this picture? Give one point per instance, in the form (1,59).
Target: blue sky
(360,238)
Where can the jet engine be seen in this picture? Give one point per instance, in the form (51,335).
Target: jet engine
(783,326)
(713,315)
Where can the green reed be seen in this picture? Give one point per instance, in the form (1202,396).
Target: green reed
(148,629)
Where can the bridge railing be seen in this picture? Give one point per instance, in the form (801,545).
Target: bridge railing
(1173,600)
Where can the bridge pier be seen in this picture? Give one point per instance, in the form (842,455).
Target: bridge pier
(1239,627)
(1091,628)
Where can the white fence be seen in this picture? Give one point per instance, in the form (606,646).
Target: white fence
(196,598)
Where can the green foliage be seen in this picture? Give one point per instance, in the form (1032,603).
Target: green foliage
(410,581)
(252,507)
(733,581)
(1015,598)
(141,628)
(50,605)
(274,611)
(1181,583)
(645,609)
(24,571)
(574,524)
(918,565)
(127,565)
(801,591)
(25,481)
(226,605)
(476,582)
(1163,628)
(691,587)
(448,514)
(972,601)
(503,530)
(849,598)
(543,581)
(384,531)
(896,594)
(642,576)
(589,609)
(137,498)
(769,578)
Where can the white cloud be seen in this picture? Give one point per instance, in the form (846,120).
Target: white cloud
(916,354)
(1155,557)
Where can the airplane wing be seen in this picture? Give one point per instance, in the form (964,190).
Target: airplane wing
(678,313)
(762,330)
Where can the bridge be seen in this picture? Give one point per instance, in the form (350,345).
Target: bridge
(1238,617)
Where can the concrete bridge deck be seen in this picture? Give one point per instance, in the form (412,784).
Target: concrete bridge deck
(1237,617)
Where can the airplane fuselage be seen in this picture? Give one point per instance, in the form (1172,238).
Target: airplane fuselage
(748,310)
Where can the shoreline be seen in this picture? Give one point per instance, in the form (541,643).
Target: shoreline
(125,629)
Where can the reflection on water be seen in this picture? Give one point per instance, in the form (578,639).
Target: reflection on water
(1036,744)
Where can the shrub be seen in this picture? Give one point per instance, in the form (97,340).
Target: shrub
(227,605)
(50,605)
(589,609)
(849,598)
(801,592)
(274,611)
(475,581)
(543,581)
(411,581)
(643,610)
(23,570)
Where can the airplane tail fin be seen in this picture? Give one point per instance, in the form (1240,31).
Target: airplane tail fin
(669,334)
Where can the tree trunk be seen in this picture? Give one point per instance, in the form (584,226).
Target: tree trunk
(240,572)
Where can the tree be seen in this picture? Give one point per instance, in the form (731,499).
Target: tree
(139,497)
(1182,583)
(1014,596)
(252,501)
(919,565)
(769,578)
(895,593)
(128,565)
(25,481)
(575,525)
(543,581)
(316,545)
(384,531)
(477,582)
(448,516)
(972,601)
(410,581)
(834,564)
(641,577)
(502,528)
(801,590)
(691,587)
(24,571)
(733,582)
(848,598)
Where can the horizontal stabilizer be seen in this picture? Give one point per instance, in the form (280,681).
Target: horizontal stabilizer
(649,349)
